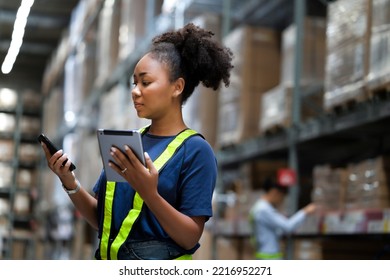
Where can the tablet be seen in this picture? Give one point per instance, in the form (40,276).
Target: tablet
(118,138)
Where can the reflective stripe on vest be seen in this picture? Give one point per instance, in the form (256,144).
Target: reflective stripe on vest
(110,250)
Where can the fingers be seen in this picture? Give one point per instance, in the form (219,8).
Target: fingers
(128,159)
(125,159)
(58,162)
(149,164)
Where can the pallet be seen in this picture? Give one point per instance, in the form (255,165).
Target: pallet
(349,101)
(274,129)
(347,106)
(381,91)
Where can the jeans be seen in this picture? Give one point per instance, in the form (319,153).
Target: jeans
(147,250)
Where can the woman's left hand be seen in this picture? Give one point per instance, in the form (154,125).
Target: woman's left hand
(143,179)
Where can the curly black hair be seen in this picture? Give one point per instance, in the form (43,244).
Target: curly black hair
(192,54)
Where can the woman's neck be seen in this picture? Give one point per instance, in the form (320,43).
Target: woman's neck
(166,128)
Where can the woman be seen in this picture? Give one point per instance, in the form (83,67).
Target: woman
(161,211)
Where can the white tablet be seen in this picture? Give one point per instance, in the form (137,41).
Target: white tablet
(118,138)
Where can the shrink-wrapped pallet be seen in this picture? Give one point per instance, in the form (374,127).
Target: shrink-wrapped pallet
(276,108)
(347,54)
(379,72)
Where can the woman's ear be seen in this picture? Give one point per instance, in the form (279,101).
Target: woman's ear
(179,86)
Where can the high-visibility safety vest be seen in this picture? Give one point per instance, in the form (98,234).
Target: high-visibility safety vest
(261,255)
(110,245)
(268,256)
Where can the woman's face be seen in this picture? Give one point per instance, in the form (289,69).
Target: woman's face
(153,94)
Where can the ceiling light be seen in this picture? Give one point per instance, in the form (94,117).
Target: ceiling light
(17,35)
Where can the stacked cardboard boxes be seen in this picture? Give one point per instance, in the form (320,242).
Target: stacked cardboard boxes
(256,69)
(361,185)
(276,103)
(368,184)
(328,187)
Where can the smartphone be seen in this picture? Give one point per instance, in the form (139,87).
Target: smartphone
(52,148)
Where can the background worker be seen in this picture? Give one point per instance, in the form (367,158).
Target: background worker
(269,224)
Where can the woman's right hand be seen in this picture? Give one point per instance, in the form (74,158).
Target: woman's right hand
(310,208)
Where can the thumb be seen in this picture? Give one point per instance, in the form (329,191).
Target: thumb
(149,164)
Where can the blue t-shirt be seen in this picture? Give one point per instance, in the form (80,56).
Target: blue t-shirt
(187,182)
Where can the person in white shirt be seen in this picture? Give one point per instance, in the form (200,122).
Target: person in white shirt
(269,224)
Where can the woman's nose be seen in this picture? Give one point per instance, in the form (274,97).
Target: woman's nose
(135,91)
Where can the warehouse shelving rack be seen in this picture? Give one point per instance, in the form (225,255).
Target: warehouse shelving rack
(296,143)
(19,221)
(357,131)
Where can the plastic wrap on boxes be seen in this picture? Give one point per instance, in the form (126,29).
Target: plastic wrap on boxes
(345,72)
(7,122)
(379,73)
(275,110)
(379,70)
(347,59)
(313,52)
(347,21)
(8,99)
(276,107)
(380,14)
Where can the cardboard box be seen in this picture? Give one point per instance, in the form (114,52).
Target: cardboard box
(6,150)
(256,69)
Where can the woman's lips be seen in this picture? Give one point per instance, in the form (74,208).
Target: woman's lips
(137,105)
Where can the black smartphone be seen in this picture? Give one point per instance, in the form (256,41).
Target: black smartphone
(52,148)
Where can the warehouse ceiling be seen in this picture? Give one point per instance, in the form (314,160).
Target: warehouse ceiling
(49,18)
(45,25)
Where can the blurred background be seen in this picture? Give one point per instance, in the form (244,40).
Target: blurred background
(309,94)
